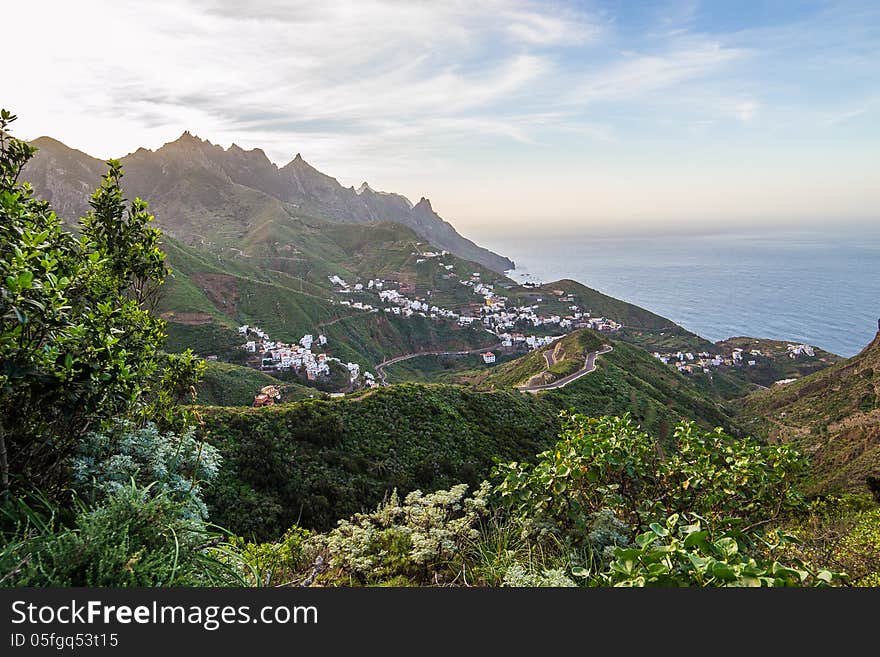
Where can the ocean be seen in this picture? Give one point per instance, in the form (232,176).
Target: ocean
(813,287)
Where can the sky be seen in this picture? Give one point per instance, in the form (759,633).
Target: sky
(565,116)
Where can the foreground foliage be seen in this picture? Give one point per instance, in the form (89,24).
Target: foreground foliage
(136,538)
(604,507)
(78,345)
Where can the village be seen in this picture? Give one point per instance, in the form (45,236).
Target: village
(276,356)
(520,327)
(491,313)
(690,363)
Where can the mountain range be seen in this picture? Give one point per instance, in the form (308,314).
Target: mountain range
(201,192)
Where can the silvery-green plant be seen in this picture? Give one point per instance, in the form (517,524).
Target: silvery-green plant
(175,465)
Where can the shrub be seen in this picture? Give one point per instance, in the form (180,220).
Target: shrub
(419,538)
(679,552)
(78,344)
(107,461)
(609,464)
(519,576)
(136,538)
(272,564)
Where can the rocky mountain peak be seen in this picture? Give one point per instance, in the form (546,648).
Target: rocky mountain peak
(424,205)
(190,182)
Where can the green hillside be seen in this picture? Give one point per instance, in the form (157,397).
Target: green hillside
(226,384)
(210,294)
(832,415)
(313,462)
(630,380)
(627,379)
(568,354)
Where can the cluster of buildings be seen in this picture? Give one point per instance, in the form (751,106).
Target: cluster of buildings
(797,350)
(496,316)
(405,307)
(427,255)
(492,312)
(531,341)
(277,356)
(689,363)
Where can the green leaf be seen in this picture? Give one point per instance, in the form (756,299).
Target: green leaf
(658,529)
(696,538)
(722,571)
(727,546)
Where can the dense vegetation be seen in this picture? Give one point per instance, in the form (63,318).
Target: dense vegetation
(317,461)
(601,507)
(94,489)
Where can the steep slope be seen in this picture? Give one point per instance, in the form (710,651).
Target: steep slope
(626,380)
(833,416)
(203,193)
(208,297)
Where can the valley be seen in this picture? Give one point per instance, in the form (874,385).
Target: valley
(318,363)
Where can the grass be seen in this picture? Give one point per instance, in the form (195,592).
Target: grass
(226,384)
(832,415)
(569,353)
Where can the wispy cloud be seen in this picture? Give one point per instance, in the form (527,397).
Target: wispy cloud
(636,75)
(394,87)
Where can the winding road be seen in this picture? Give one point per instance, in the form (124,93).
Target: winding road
(589,366)
(380,368)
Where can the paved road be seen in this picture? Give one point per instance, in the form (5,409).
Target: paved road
(589,366)
(380,368)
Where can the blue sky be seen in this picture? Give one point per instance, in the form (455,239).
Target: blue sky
(572,116)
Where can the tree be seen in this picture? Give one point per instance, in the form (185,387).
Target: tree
(78,344)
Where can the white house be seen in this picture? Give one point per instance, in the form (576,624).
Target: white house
(488,357)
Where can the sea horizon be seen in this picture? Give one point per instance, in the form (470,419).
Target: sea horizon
(782,283)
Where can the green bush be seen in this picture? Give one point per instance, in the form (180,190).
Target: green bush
(419,539)
(310,463)
(608,463)
(672,553)
(271,564)
(78,344)
(135,539)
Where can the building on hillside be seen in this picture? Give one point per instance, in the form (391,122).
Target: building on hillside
(488,357)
